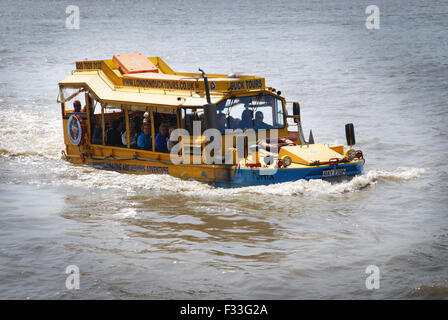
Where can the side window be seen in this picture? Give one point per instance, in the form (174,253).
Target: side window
(238,113)
(140,127)
(114,118)
(163,124)
(135,129)
(189,115)
(74,99)
(279,118)
(253,112)
(240,116)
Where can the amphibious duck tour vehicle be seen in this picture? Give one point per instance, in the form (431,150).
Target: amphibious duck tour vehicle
(135,114)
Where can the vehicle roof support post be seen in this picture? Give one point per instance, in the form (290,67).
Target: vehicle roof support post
(153,130)
(128,133)
(86,98)
(103,125)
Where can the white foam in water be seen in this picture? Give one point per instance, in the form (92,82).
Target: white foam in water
(28,133)
(324,187)
(127,213)
(28,142)
(82,176)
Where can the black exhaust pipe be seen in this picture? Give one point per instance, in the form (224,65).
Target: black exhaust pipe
(210,113)
(207,90)
(350,134)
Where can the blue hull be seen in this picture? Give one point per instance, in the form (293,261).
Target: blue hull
(251,177)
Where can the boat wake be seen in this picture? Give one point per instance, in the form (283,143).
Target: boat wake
(38,149)
(321,187)
(25,133)
(86,177)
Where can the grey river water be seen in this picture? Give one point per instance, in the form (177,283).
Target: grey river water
(158,237)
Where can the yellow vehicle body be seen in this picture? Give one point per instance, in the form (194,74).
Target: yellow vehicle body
(161,92)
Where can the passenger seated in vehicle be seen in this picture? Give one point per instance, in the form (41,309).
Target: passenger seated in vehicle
(258,123)
(246,120)
(77,106)
(173,140)
(144,140)
(113,136)
(234,122)
(222,123)
(97,136)
(132,136)
(161,138)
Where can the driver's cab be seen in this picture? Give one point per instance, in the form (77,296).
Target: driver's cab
(262,111)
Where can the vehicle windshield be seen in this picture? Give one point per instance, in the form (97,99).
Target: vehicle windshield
(262,111)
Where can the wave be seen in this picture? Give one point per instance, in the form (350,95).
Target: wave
(37,138)
(87,177)
(321,187)
(430,292)
(25,133)
(24,153)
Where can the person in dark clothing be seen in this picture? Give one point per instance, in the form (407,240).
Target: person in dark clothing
(97,136)
(258,123)
(113,136)
(246,120)
(161,138)
(77,106)
(222,122)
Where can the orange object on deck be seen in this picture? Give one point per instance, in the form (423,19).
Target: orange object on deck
(134,63)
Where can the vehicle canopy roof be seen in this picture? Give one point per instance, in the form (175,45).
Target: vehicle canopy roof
(136,79)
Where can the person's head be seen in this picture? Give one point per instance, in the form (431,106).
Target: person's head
(221,119)
(171,130)
(259,117)
(115,124)
(77,105)
(163,129)
(146,129)
(246,116)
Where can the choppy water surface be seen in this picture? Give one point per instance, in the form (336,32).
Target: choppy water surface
(160,237)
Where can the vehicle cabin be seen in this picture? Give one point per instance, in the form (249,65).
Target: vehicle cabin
(130,100)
